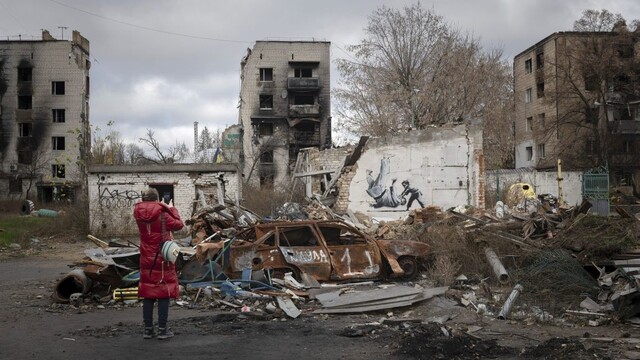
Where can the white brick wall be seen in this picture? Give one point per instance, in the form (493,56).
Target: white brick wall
(113,194)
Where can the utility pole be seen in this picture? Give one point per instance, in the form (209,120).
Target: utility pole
(62,28)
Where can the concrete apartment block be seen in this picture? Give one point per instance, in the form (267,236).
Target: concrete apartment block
(284,107)
(44,117)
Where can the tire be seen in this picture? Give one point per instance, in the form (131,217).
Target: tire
(410,266)
(27,207)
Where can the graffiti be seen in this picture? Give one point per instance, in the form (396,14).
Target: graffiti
(304,256)
(387,196)
(118,199)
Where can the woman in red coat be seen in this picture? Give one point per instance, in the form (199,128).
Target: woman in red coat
(158,278)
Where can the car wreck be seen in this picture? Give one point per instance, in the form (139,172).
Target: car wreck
(329,250)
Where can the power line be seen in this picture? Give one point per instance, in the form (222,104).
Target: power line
(149,28)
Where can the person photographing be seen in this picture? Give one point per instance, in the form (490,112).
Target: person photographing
(158,277)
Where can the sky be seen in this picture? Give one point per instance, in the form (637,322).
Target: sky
(164,64)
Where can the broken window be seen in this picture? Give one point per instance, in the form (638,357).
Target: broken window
(303,72)
(266,102)
(541,152)
(25,157)
(15,185)
(57,171)
(529,150)
(627,146)
(540,60)
(338,235)
(591,115)
(58,142)
(529,124)
(303,100)
(527,66)
(298,236)
(625,51)
(24,74)
(590,82)
(266,74)
(265,129)
(540,90)
(58,115)
(24,102)
(266,181)
(57,88)
(266,157)
(25,129)
(527,95)
(590,146)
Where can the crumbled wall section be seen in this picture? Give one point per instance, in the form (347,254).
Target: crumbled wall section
(343,185)
(114,190)
(329,159)
(441,166)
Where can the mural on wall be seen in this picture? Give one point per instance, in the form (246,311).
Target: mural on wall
(384,196)
(118,199)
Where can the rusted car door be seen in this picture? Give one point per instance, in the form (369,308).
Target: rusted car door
(301,247)
(352,255)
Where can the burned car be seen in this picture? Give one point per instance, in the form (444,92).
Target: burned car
(324,250)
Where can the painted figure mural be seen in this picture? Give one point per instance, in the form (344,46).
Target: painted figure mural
(387,196)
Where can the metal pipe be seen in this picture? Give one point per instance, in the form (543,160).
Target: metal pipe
(506,307)
(496,265)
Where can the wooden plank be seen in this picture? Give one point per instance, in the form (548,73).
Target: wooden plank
(372,295)
(629,263)
(313,173)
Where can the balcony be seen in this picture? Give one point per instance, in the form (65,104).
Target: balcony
(303,83)
(302,110)
(304,137)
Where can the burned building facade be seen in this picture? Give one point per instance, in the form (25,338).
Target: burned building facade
(577,98)
(284,107)
(44,117)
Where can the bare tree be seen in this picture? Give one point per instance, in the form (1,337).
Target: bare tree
(133,154)
(413,70)
(174,153)
(595,78)
(108,149)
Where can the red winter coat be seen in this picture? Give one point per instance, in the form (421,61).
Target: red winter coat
(162,281)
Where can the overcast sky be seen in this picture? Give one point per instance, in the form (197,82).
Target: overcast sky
(163,64)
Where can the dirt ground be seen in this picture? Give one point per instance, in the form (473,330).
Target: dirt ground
(33,327)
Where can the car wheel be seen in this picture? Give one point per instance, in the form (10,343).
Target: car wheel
(410,267)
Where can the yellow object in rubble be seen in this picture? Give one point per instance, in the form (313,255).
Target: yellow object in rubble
(125,294)
(519,192)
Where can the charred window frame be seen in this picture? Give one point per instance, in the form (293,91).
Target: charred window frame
(25,129)
(590,146)
(627,146)
(529,151)
(539,59)
(528,66)
(528,126)
(25,74)
(25,102)
(591,115)
(58,143)
(266,157)
(590,82)
(58,171)
(57,88)
(266,102)
(58,115)
(15,186)
(540,89)
(303,72)
(265,129)
(25,156)
(304,100)
(266,74)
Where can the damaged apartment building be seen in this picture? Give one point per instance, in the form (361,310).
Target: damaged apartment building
(577,99)
(44,117)
(284,107)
